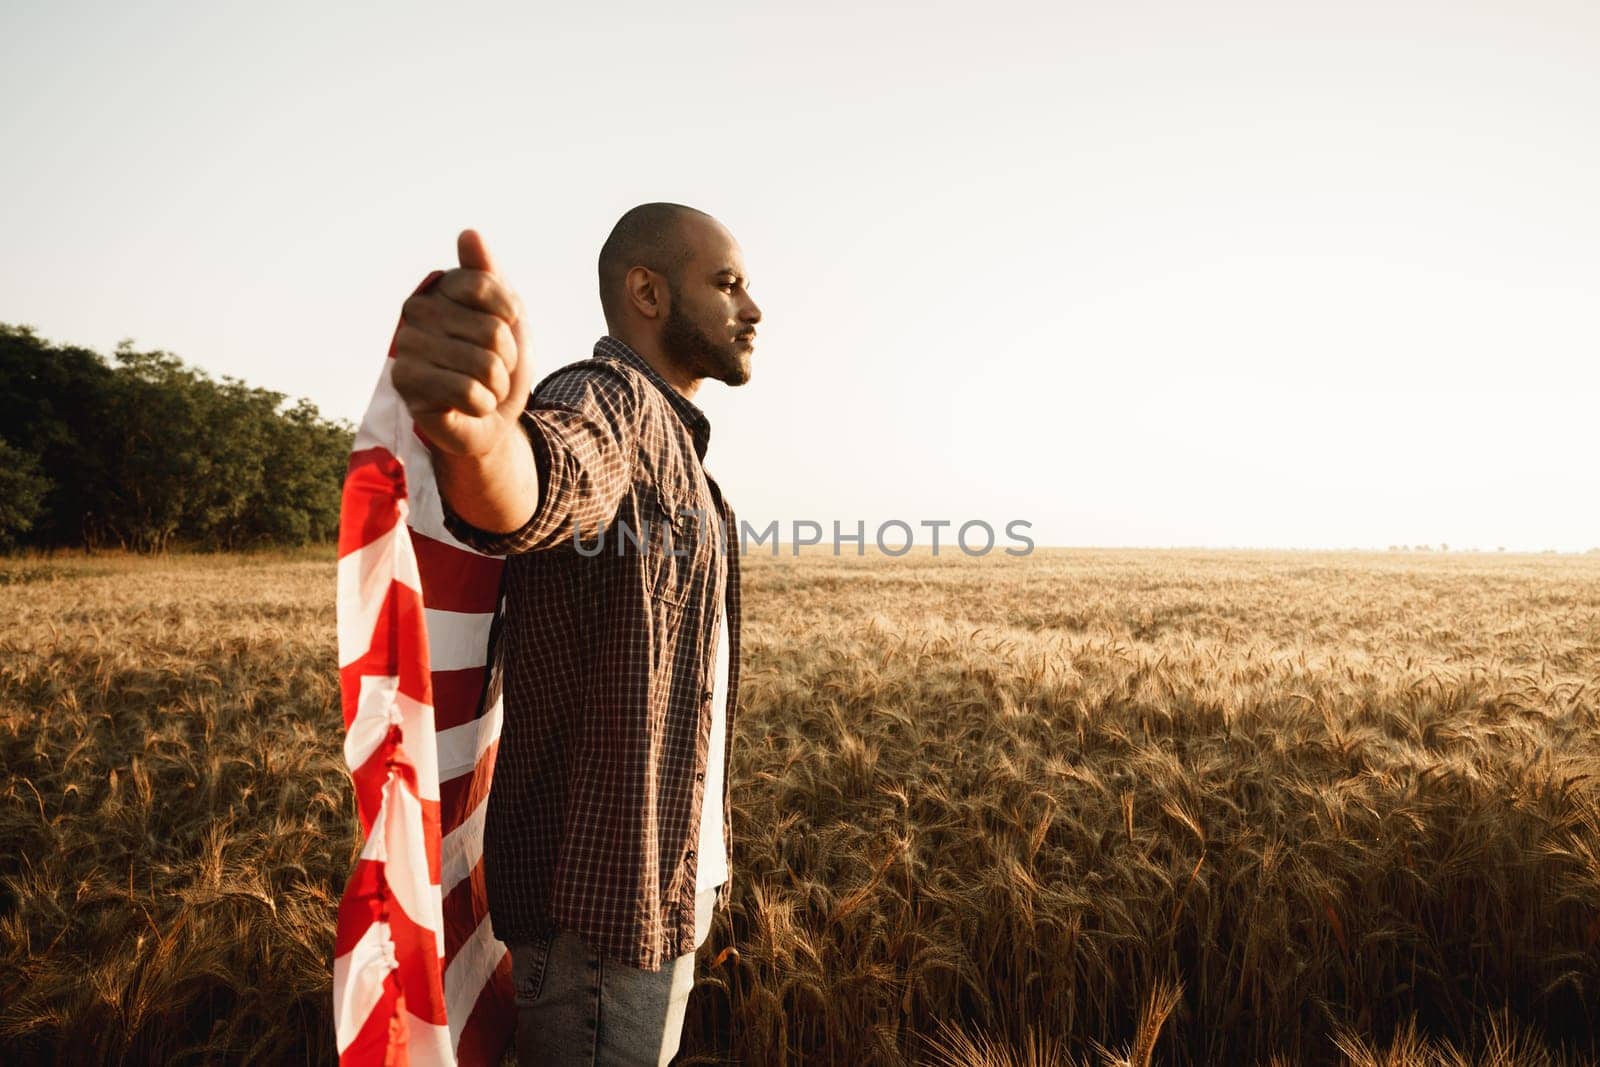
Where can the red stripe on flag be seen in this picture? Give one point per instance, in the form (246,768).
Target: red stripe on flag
(492,1021)
(455,696)
(373,482)
(418,965)
(368,901)
(461,794)
(464,907)
(399,648)
(376,1042)
(454,579)
(430,828)
(369,781)
(361,905)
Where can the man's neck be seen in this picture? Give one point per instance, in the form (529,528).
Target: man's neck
(649,350)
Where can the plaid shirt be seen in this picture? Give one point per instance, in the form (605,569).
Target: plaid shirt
(607,645)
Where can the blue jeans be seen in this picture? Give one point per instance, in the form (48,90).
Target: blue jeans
(575,1007)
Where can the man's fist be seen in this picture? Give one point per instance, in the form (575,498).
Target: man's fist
(462,363)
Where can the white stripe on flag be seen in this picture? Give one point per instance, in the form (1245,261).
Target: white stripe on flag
(358,981)
(468,973)
(364,577)
(371,724)
(427,513)
(428,1045)
(386,419)
(416,727)
(457,639)
(406,863)
(460,747)
(459,851)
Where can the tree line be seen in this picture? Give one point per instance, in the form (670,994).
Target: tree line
(144,452)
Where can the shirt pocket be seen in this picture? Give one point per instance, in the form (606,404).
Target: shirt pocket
(670,544)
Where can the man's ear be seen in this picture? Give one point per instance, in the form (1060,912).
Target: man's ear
(647,292)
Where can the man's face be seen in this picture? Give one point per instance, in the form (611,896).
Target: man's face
(710,328)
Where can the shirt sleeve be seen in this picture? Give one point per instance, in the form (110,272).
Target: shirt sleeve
(582,424)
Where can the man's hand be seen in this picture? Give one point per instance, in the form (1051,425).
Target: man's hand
(462,362)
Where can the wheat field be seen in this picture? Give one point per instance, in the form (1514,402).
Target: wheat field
(1083,807)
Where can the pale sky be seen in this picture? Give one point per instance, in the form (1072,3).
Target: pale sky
(1223,274)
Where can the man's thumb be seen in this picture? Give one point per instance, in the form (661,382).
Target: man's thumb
(473,253)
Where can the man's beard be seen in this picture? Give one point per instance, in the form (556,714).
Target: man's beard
(696,352)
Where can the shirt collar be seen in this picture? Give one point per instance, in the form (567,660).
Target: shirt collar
(694,419)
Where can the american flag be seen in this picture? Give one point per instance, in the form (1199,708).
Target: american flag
(418,977)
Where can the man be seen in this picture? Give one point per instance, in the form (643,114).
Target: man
(606,836)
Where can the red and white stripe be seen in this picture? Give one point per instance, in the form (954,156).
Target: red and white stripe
(418,976)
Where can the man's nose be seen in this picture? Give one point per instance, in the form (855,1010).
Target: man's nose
(751,313)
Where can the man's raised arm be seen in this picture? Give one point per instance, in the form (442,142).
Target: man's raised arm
(464,369)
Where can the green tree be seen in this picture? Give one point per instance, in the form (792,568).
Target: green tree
(23,488)
(305,464)
(52,404)
(155,448)
(146,452)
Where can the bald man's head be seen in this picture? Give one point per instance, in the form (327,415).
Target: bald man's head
(673,286)
(650,235)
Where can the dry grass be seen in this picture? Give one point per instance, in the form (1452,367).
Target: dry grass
(1079,808)
(175,818)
